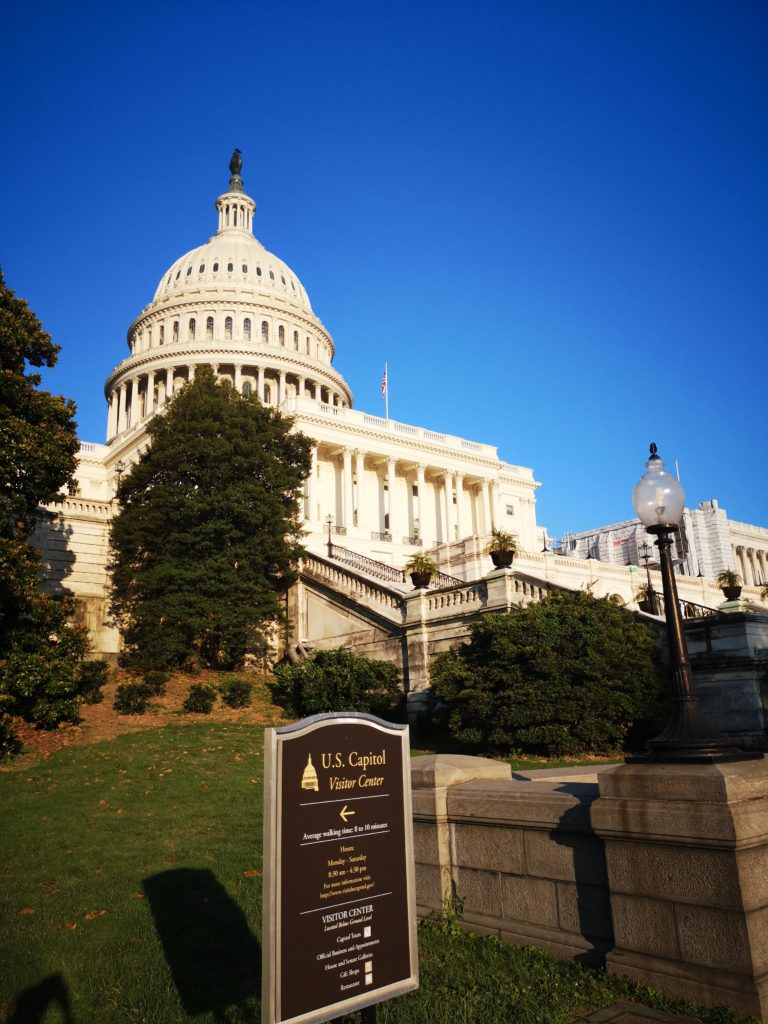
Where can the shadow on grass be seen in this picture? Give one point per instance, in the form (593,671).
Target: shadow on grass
(33,1003)
(214,958)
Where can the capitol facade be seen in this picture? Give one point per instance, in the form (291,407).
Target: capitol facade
(378,489)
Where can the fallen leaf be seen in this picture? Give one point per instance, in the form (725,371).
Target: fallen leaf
(26,911)
(138,895)
(70,926)
(252,874)
(93,913)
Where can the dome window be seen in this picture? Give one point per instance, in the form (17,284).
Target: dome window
(271,275)
(247,389)
(264,331)
(189,271)
(258,271)
(296,340)
(162,333)
(192,329)
(282,278)
(228,328)
(293,286)
(202,269)
(230,268)
(178,274)
(209,328)
(281,335)
(247,328)
(245,268)
(215,268)
(175,330)
(307,346)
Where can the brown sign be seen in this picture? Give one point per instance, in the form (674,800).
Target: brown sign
(339,908)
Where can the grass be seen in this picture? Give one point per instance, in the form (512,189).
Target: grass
(131,892)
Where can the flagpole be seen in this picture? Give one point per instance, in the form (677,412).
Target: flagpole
(386,392)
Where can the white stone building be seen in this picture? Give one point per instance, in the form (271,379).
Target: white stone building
(383,489)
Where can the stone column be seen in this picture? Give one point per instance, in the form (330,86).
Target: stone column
(494,503)
(312,486)
(421,487)
(169,384)
(238,376)
(300,389)
(348,498)
(448,530)
(362,516)
(281,388)
(112,414)
(391,465)
(686,848)
(260,382)
(460,505)
(191,372)
(134,413)
(149,402)
(486,507)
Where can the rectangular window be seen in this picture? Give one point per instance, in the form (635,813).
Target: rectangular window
(510,510)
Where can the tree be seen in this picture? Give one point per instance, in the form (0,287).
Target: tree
(566,675)
(40,652)
(208,532)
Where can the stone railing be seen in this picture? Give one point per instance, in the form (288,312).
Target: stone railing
(345,579)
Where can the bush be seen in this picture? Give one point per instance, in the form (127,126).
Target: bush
(566,676)
(9,742)
(337,680)
(93,675)
(236,692)
(200,699)
(156,681)
(132,698)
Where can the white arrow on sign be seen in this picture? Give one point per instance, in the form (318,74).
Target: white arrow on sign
(344,813)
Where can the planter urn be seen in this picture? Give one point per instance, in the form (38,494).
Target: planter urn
(502,559)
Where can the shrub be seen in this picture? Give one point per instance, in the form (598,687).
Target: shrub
(337,680)
(93,675)
(236,692)
(132,698)
(9,741)
(565,676)
(156,681)
(200,699)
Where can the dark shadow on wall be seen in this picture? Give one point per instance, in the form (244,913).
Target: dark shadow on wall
(57,560)
(34,1002)
(592,896)
(214,958)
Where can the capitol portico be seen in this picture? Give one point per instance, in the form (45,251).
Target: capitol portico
(378,488)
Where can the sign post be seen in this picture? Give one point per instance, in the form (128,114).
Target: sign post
(339,915)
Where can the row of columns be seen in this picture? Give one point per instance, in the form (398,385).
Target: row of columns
(752,565)
(127,410)
(452,522)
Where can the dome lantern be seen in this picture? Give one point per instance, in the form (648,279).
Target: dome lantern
(236,209)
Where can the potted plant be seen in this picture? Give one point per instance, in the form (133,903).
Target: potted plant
(502,548)
(422,568)
(730,584)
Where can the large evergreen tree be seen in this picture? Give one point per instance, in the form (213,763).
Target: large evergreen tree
(40,652)
(208,532)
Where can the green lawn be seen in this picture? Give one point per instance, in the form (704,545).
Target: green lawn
(131,893)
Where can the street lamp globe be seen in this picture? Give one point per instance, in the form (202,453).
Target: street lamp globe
(658,498)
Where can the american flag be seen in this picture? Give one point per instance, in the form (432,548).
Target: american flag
(384,383)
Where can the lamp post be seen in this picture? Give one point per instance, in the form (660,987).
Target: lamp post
(329,523)
(658,499)
(650,594)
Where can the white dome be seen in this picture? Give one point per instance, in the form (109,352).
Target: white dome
(233,258)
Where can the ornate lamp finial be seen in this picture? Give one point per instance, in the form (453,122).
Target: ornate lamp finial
(235,166)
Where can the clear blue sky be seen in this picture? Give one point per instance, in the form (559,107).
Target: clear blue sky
(549,218)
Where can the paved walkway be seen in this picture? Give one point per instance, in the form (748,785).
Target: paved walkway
(630,1013)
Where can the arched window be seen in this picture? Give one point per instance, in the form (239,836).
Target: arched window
(281,335)
(296,340)
(247,328)
(230,268)
(189,271)
(245,268)
(228,328)
(307,346)
(258,271)
(209,328)
(247,389)
(271,276)
(162,333)
(175,330)
(202,268)
(215,268)
(267,393)
(192,326)
(264,331)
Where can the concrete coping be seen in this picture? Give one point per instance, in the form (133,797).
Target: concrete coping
(438,771)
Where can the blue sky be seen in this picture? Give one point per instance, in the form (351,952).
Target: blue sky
(549,218)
